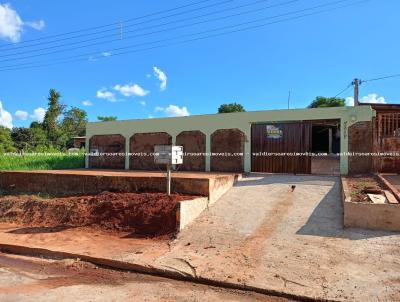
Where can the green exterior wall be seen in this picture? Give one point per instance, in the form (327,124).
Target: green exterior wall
(240,120)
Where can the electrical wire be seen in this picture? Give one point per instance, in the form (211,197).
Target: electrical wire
(107,25)
(150,27)
(23,66)
(382,78)
(168,39)
(343,91)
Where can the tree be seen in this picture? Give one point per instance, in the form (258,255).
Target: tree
(29,139)
(73,124)
(6,142)
(107,118)
(232,107)
(75,121)
(321,102)
(51,118)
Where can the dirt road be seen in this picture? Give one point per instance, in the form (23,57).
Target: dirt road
(33,279)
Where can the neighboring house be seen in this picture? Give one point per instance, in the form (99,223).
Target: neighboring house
(79,142)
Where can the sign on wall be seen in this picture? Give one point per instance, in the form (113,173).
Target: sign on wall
(274,131)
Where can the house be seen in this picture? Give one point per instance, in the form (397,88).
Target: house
(300,141)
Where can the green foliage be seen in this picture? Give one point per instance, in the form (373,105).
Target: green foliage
(29,139)
(54,110)
(321,102)
(73,124)
(56,131)
(6,142)
(31,161)
(107,118)
(232,107)
(75,121)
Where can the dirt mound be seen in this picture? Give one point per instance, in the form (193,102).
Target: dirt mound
(360,186)
(147,214)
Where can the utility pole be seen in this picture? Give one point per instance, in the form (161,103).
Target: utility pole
(288,100)
(356,83)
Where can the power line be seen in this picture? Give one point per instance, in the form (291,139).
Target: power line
(382,78)
(107,25)
(343,91)
(169,29)
(152,26)
(20,66)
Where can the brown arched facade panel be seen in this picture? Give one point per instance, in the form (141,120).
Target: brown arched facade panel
(227,148)
(194,148)
(113,146)
(142,148)
(360,141)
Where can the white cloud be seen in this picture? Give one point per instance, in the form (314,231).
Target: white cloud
(173,110)
(106,53)
(38,114)
(38,25)
(150,116)
(349,101)
(87,103)
(11,24)
(162,77)
(372,98)
(143,103)
(21,115)
(105,94)
(131,90)
(5,117)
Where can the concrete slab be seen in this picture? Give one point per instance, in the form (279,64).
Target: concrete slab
(83,181)
(260,234)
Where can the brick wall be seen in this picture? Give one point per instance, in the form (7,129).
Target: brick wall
(360,140)
(227,141)
(144,143)
(114,143)
(192,142)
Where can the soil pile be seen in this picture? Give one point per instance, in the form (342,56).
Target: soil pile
(146,214)
(361,186)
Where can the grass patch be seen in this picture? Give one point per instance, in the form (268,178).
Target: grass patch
(42,161)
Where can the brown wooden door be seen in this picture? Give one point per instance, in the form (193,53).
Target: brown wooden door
(281,139)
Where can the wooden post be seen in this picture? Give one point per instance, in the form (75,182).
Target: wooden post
(330,140)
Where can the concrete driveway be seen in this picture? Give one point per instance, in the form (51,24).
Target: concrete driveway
(262,234)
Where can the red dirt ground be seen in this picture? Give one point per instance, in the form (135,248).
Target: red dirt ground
(143,214)
(358,185)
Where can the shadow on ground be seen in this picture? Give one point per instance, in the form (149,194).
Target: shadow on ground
(39,230)
(327,220)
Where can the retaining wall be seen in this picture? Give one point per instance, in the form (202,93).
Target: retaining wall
(369,215)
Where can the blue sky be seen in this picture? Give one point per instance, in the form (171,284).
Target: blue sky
(315,55)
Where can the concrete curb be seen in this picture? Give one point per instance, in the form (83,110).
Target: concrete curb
(150,270)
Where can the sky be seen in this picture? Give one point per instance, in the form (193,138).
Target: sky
(149,59)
